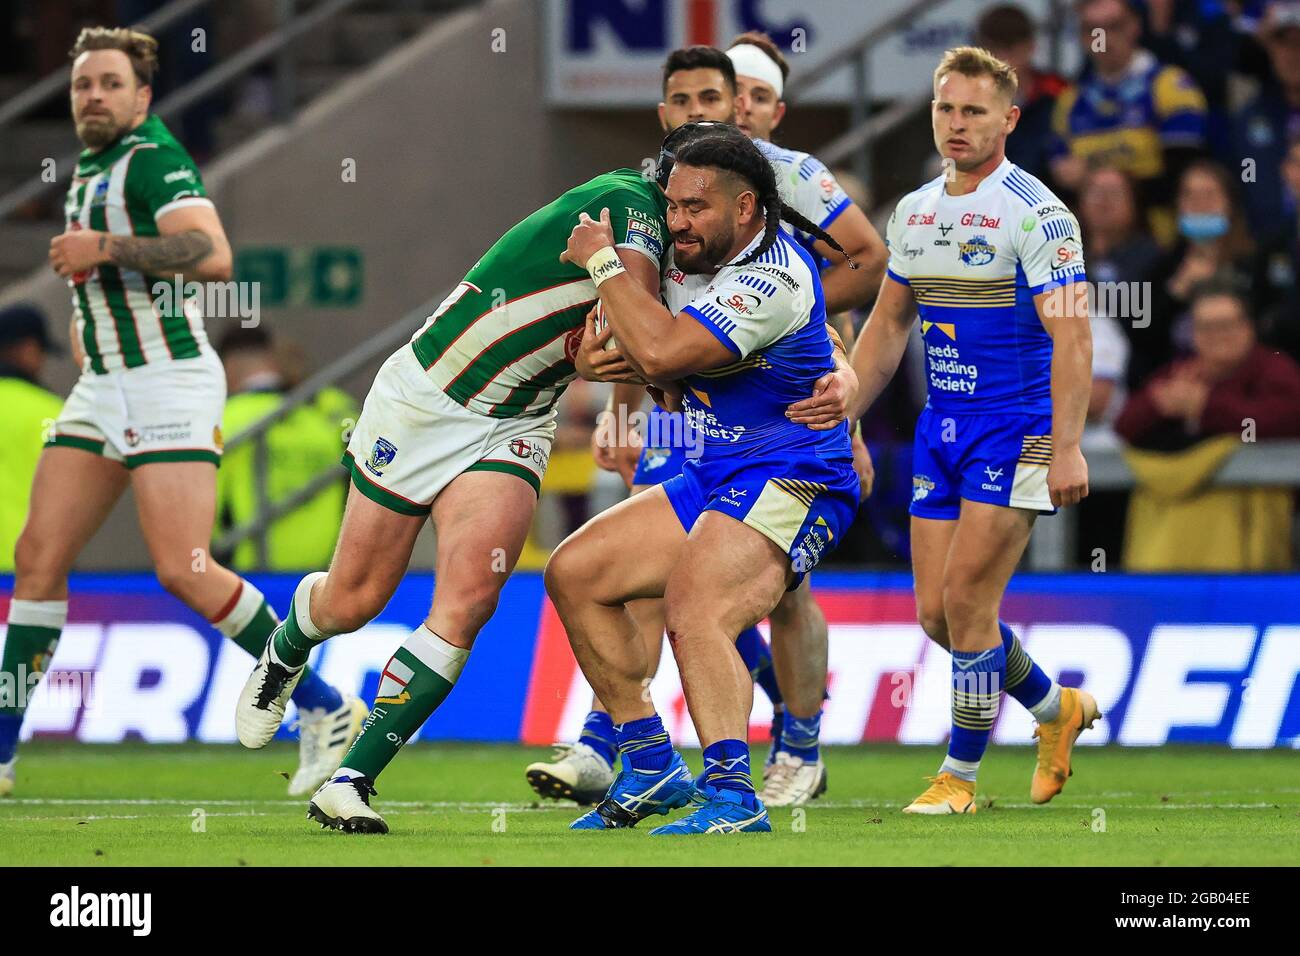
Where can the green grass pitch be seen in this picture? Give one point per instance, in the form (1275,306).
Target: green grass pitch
(464,804)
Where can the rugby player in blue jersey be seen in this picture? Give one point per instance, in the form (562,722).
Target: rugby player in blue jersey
(741,525)
(993,263)
(744,84)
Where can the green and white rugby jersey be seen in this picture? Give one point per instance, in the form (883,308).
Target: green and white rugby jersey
(123,189)
(503,343)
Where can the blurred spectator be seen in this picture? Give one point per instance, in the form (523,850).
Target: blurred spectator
(1213,242)
(1229,384)
(1264,130)
(29,411)
(1117,247)
(1127,110)
(1195,415)
(1199,36)
(1007,32)
(1277,265)
(299,447)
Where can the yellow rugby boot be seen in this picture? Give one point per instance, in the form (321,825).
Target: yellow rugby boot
(946,794)
(1056,739)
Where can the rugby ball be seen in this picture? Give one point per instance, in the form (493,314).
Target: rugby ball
(602,323)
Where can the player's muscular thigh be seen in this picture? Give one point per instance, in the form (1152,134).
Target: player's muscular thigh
(729,578)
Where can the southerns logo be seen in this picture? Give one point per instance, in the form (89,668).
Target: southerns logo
(780,275)
(921,487)
(980,221)
(74,908)
(978,251)
(921,219)
(381,455)
(1044,211)
(646,236)
(741,303)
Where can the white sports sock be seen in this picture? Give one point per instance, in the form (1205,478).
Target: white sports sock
(963,769)
(1049,708)
(39,613)
(245,609)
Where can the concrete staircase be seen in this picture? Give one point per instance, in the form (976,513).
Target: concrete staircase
(323,58)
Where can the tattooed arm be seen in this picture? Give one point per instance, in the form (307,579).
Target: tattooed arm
(191,243)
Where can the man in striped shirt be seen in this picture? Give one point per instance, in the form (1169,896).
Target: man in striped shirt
(147,408)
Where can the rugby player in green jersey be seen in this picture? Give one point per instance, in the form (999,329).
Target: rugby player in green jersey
(146,411)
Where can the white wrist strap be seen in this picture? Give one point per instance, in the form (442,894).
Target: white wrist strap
(604,264)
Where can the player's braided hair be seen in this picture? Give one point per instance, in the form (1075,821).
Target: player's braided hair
(723,146)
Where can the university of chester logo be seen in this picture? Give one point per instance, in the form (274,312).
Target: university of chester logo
(381,455)
(521,448)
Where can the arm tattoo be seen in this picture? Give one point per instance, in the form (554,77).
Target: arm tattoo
(160,255)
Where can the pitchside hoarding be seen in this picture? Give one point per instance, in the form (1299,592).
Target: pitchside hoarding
(1171,659)
(609,53)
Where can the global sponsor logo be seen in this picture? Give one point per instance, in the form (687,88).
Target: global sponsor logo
(676,275)
(921,219)
(980,220)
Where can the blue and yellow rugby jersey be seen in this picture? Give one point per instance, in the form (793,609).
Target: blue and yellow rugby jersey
(974,264)
(772,315)
(1129,124)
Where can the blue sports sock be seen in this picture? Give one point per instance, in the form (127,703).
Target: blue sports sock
(1026,681)
(598,734)
(800,736)
(726,767)
(757,655)
(977,681)
(644,744)
(312,693)
(10,725)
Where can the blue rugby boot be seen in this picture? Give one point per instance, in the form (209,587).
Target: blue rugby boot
(719,811)
(636,795)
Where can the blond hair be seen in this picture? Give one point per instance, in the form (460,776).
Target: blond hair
(977,61)
(140,48)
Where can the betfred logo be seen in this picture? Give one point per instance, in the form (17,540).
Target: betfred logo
(980,221)
(921,219)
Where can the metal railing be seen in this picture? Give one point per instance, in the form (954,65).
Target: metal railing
(856,55)
(1267,464)
(375,347)
(273,45)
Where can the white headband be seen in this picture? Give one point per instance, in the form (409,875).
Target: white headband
(750,60)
